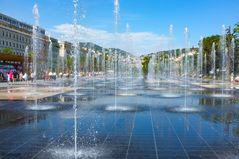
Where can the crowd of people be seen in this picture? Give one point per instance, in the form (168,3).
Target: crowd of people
(14,76)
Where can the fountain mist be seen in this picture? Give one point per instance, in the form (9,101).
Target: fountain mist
(75,31)
(213,62)
(187,49)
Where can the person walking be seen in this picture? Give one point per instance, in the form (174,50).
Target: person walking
(15,76)
(32,77)
(20,76)
(11,76)
(1,76)
(25,78)
(8,78)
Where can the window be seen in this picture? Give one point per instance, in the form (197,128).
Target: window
(13,44)
(17,45)
(10,35)
(6,43)
(14,36)
(10,44)
(2,33)
(3,43)
(6,34)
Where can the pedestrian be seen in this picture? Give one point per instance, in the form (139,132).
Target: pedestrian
(25,78)
(1,76)
(32,76)
(15,76)
(11,76)
(20,76)
(8,78)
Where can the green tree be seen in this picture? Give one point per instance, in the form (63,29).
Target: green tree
(207,48)
(30,54)
(145,61)
(236,36)
(229,36)
(7,51)
(69,63)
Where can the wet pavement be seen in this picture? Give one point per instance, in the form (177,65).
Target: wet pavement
(122,127)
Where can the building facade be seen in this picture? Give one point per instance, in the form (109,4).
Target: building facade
(16,35)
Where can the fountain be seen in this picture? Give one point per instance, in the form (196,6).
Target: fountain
(35,44)
(170,50)
(187,50)
(116,58)
(151,70)
(50,56)
(26,60)
(213,62)
(75,31)
(181,62)
(34,70)
(128,78)
(199,68)
(171,93)
(224,67)
(232,62)
(200,61)
(185,108)
(223,55)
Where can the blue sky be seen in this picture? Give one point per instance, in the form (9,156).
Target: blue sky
(149,20)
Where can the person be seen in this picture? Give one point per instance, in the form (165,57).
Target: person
(1,76)
(25,77)
(54,75)
(8,78)
(60,74)
(32,76)
(50,75)
(15,76)
(46,75)
(232,77)
(20,76)
(237,79)
(11,76)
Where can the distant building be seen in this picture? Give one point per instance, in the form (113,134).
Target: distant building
(65,49)
(16,35)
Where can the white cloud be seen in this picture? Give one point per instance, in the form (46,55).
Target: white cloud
(137,43)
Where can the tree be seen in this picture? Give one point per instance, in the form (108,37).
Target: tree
(229,37)
(30,54)
(145,61)
(7,51)
(69,63)
(236,30)
(207,48)
(236,36)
